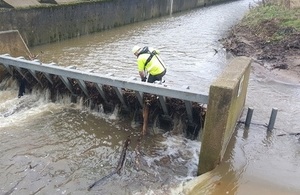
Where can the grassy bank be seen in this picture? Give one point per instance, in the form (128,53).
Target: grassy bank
(272,22)
(270,35)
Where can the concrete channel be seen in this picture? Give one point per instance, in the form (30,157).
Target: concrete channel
(225,101)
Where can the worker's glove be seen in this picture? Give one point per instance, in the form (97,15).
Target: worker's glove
(144,79)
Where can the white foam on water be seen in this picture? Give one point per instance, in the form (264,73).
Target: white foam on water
(182,152)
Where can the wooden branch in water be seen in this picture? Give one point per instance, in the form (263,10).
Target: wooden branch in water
(119,167)
(145,116)
(144,131)
(138,153)
(123,155)
(102,179)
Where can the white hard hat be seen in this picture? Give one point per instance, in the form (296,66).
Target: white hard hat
(135,49)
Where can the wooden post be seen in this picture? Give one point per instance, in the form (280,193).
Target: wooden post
(143,133)
(145,117)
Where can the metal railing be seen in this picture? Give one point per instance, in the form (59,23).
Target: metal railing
(64,73)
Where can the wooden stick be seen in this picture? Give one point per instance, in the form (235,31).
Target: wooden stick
(119,167)
(138,153)
(123,155)
(144,131)
(145,116)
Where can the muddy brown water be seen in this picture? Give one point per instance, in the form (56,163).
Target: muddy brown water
(62,148)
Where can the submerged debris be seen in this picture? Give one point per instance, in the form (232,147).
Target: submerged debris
(119,167)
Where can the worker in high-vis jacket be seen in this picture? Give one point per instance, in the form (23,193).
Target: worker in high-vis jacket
(149,62)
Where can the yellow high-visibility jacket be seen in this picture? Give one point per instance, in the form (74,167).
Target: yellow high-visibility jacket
(154,67)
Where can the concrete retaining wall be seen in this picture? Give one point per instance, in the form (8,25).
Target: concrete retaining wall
(46,24)
(227,97)
(12,43)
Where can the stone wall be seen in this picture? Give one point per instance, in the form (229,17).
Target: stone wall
(52,23)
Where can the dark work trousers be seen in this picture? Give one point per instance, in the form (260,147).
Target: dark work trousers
(158,77)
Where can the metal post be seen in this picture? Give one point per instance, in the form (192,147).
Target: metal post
(272,119)
(249,117)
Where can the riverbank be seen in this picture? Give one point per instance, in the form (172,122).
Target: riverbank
(270,35)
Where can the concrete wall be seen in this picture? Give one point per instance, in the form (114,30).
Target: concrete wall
(12,43)
(51,23)
(227,97)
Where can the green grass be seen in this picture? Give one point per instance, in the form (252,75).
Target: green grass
(267,17)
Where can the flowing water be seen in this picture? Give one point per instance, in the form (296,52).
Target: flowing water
(62,148)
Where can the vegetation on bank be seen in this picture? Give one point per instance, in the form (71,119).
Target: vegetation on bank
(268,33)
(285,21)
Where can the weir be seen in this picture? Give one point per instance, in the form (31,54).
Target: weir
(225,101)
(74,79)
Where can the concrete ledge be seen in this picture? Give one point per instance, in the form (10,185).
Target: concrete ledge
(227,97)
(21,3)
(30,3)
(197,185)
